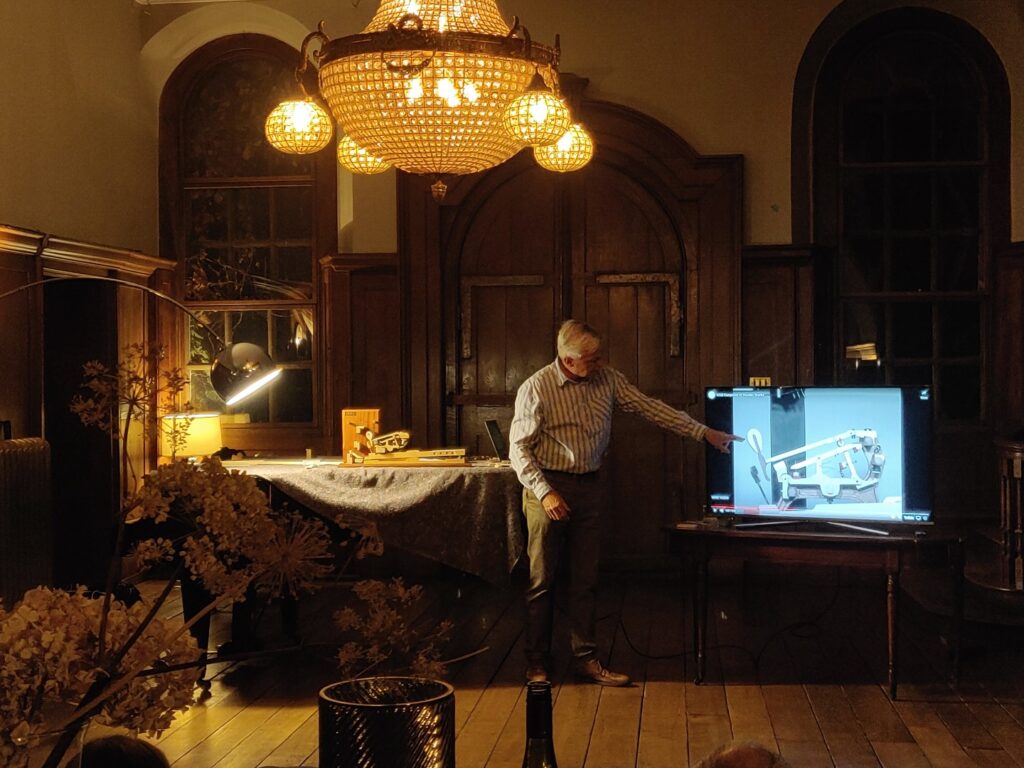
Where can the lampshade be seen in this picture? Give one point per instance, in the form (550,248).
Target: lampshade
(299,127)
(569,153)
(241,369)
(357,159)
(200,434)
(537,117)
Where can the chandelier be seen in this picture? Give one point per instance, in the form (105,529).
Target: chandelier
(437,87)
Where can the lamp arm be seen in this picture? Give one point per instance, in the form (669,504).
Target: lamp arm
(143,288)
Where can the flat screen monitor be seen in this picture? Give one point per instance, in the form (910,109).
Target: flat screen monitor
(822,453)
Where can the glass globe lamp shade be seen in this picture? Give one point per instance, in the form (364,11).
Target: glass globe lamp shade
(299,127)
(357,159)
(570,153)
(537,117)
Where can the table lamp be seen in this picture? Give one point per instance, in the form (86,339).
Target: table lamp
(202,434)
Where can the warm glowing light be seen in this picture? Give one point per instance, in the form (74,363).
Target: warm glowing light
(254,386)
(357,159)
(537,117)
(414,92)
(470,93)
(570,153)
(190,434)
(299,127)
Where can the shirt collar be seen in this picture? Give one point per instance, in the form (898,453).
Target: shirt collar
(563,379)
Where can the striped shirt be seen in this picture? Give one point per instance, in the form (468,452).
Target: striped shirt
(565,425)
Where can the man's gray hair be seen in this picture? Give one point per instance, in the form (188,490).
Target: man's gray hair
(576,339)
(743,756)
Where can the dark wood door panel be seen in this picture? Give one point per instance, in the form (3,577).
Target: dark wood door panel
(643,244)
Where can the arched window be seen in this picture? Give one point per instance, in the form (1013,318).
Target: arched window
(245,222)
(910,157)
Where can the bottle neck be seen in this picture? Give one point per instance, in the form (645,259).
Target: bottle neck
(538,711)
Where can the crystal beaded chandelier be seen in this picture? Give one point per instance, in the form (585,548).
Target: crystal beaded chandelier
(438,87)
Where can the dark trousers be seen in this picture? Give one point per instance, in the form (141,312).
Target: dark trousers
(579,538)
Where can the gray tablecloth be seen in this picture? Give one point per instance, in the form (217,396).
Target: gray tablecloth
(467,517)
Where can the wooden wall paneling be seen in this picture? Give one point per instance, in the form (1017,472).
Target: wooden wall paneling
(1007,373)
(21,388)
(364,340)
(419,248)
(778,315)
(645,196)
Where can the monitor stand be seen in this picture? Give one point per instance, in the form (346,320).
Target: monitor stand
(847,526)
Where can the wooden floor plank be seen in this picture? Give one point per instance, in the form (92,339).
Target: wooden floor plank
(900,754)
(798,665)
(662,741)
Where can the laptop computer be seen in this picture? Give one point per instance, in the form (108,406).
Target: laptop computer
(498,442)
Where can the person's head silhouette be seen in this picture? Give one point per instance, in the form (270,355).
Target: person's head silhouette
(122,752)
(743,756)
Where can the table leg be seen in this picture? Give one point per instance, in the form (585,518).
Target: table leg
(957,576)
(700,615)
(892,606)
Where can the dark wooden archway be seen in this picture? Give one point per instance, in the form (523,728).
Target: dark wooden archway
(644,243)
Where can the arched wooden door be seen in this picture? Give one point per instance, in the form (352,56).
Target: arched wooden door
(621,245)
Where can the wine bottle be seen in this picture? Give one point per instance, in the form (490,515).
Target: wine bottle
(540,745)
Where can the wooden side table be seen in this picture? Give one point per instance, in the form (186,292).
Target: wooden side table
(698,545)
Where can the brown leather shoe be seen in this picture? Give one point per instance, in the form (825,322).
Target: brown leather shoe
(593,670)
(535,673)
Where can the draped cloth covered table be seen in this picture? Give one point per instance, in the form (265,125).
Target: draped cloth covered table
(466,517)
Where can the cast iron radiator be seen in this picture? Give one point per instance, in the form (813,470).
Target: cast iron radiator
(26,521)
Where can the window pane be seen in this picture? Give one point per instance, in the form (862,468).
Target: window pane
(224,120)
(960,393)
(863,202)
(908,375)
(293,396)
(257,405)
(911,330)
(293,335)
(960,330)
(208,214)
(202,344)
(909,124)
(201,393)
(862,131)
(910,262)
(293,272)
(293,213)
(958,263)
(862,264)
(251,214)
(958,199)
(250,327)
(910,204)
(864,324)
(957,134)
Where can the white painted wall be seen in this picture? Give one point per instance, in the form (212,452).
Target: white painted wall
(78,117)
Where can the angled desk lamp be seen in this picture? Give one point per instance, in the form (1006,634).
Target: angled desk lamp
(238,369)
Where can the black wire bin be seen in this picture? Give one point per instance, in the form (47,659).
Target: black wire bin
(387,722)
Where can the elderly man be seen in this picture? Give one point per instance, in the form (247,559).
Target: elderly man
(559,436)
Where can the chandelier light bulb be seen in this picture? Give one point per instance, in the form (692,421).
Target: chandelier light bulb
(299,127)
(357,159)
(537,117)
(570,153)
